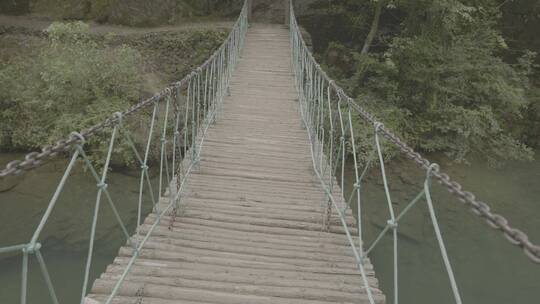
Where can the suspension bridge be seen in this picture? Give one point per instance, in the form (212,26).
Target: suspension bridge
(249,206)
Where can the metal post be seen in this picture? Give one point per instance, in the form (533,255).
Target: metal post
(287,4)
(249,10)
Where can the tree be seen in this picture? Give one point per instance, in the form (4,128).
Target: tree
(440,81)
(374,26)
(73,83)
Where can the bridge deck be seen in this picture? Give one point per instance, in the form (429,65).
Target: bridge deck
(250,227)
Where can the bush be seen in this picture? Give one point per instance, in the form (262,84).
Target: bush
(441,82)
(134,12)
(72,83)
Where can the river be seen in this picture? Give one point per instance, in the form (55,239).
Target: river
(488,269)
(65,237)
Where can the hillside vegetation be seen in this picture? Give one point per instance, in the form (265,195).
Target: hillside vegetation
(459,77)
(453,77)
(65,78)
(126,12)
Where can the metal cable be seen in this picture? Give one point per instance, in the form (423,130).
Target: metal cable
(496,221)
(200,112)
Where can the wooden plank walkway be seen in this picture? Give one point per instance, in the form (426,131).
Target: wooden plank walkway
(250,230)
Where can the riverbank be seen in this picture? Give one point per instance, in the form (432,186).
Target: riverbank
(168,52)
(80,75)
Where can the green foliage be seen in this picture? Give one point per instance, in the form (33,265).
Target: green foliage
(531,124)
(341,21)
(135,12)
(69,85)
(440,82)
(60,9)
(175,54)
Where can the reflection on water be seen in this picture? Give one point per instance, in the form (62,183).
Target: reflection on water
(65,237)
(488,269)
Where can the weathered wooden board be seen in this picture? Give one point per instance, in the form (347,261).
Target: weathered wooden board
(251,225)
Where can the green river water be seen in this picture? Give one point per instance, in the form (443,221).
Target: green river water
(65,237)
(488,269)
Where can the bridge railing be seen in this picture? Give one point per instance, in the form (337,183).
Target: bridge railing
(328,114)
(179,117)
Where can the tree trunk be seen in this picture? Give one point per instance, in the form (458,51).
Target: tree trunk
(374,27)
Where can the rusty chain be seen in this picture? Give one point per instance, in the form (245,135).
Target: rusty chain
(479,208)
(496,221)
(35,159)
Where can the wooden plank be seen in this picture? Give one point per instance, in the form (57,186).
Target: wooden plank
(250,226)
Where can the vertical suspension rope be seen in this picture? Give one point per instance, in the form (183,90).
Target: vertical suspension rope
(311,82)
(175,161)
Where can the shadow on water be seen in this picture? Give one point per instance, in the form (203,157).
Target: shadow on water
(65,237)
(488,269)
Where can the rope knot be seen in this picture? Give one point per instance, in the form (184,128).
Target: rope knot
(32,248)
(433,168)
(340,93)
(133,243)
(378,125)
(392,224)
(119,116)
(78,136)
(144,167)
(102,186)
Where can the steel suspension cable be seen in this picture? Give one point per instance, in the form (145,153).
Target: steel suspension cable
(305,62)
(310,81)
